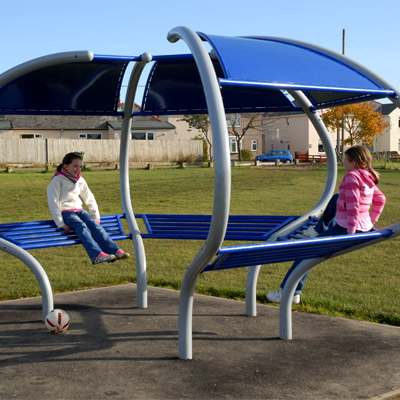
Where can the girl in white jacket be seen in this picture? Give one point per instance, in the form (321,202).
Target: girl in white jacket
(65,206)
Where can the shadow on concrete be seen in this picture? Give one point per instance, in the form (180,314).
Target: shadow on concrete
(113,349)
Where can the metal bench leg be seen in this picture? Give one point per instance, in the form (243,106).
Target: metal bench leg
(37,269)
(185,317)
(141,271)
(251,290)
(285,315)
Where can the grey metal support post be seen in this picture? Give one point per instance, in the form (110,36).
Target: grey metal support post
(251,290)
(222,184)
(252,275)
(305,266)
(331,178)
(285,329)
(285,309)
(141,274)
(37,269)
(285,321)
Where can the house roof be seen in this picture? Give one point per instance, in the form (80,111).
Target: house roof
(143,123)
(386,109)
(5,124)
(81,122)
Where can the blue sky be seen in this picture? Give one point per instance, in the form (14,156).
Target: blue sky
(35,28)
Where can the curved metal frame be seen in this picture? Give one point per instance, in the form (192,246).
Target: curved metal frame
(285,317)
(222,184)
(252,275)
(140,256)
(45,61)
(23,255)
(37,269)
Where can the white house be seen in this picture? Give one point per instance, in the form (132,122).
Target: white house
(293,131)
(390,140)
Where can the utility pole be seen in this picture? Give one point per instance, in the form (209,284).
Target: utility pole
(343,41)
(343,52)
(339,143)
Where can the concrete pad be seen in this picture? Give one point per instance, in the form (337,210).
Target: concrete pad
(112,350)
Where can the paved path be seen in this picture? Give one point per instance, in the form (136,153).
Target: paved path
(113,350)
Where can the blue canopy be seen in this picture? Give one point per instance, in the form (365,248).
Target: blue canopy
(254,74)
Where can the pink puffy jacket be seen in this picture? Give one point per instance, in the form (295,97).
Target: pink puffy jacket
(357,192)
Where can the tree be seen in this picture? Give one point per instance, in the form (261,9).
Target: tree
(360,121)
(234,121)
(250,121)
(200,122)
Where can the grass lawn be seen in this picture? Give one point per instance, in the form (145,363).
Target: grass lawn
(363,285)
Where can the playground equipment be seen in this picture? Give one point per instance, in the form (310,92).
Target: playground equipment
(240,74)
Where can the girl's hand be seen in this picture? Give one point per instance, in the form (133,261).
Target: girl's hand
(66,228)
(97,220)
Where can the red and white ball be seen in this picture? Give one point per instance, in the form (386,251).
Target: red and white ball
(57,321)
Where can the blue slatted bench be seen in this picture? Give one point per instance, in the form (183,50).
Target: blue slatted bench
(42,234)
(240,227)
(290,248)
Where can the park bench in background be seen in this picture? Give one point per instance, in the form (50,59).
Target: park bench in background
(305,157)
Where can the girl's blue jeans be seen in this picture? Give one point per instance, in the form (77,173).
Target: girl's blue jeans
(326,226)
(94,238)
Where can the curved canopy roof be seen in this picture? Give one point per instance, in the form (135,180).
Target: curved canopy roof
(254,75)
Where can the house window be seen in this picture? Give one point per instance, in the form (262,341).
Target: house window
(143,135)
(287,123)
(254,145)
(31,136)
(233,144)
(398,145)
(272,144)
(89,136)
(320,147)
(234,120)
(399,122)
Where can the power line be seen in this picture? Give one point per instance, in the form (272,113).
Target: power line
(359,48)
(330,39)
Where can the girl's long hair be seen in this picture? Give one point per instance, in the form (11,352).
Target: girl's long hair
(362,157)
(68,158)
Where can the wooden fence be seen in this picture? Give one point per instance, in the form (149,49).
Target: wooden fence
(106,151)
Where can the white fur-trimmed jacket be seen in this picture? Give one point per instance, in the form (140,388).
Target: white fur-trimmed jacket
(63,194)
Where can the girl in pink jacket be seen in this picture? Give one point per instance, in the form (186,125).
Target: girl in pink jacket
(348,211)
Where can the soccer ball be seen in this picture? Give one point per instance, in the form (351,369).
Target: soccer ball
(57,321)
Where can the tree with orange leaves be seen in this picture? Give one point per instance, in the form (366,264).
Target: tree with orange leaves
(360,121)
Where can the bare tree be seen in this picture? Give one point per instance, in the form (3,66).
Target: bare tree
(200,122)
(261,122)
(239,124)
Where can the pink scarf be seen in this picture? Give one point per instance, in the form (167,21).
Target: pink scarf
(67,175)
